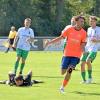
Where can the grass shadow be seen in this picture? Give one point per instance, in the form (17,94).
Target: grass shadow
(84,93)
(47,76)
(95,83)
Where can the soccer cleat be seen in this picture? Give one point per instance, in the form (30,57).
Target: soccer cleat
(89,81)
(83,82)
(62,90)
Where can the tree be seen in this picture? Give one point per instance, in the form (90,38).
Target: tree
(97,8)
(78,6)
(59,13)
(49,17)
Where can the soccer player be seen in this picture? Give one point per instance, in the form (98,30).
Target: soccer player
(11,37)
(20,80)
(22,44)
(72,24)
(93,37)
(76,38)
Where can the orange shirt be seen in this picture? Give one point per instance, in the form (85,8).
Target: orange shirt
(74,40)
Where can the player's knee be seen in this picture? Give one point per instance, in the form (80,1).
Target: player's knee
(88,61)
(23,61)
(18,58)
(83,64)
(70,69)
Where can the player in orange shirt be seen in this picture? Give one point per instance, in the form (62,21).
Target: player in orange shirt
(76,37)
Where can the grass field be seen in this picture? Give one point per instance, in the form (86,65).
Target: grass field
(46,67)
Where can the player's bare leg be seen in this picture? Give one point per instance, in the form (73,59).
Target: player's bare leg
(66,78)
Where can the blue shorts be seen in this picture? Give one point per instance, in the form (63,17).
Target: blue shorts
(67,61)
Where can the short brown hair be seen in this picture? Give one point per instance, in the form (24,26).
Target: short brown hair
(78,17)
(19,77)
(93,18)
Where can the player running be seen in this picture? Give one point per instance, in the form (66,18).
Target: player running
(76,38)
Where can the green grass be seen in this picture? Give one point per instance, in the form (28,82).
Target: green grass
(46,67)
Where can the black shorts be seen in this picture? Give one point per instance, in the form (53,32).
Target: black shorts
(11,41)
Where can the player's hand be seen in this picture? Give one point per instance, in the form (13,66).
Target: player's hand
(30,40)
(94,40)
(14,46)
(46,43)
(85,52)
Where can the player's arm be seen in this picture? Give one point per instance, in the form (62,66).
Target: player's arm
(8,37)
(83,46)
(83,42)
(95,40)
(15,41)
(15,34)
(30,40)
(96,37)
(63,35)
(53,40)
(98,41)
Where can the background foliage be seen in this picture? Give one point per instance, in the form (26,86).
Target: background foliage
(49,17)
